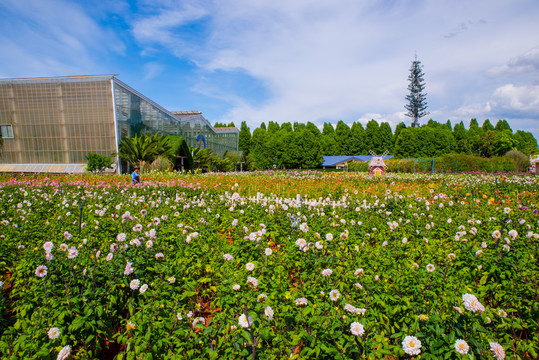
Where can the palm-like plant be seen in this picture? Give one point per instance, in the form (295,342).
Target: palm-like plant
(204,158)
(144,148)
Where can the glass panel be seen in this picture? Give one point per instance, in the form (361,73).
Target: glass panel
(57,120)
(6,131)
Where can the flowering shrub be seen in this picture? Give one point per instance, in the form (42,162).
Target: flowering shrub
(240,265)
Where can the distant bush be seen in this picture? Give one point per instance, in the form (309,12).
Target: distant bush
(451,163)
(161,163)
(521,161)
(98,162)
(362,166)
(503,164)
(402,166)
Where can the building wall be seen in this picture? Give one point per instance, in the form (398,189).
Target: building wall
(191,126)
(56,120)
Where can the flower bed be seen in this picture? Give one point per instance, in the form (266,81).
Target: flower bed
(269,265)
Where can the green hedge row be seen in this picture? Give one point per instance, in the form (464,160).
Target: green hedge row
(448,163)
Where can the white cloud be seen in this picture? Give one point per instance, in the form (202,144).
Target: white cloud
(349,60)
(519,99)
(525,63)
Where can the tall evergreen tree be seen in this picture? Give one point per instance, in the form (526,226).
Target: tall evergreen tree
(372,138)
(343,138)
(400,126)
(461,137)
(244,142)
(417,100)
(273,127)
(286,126)
(487,126)
(328,129)
(328,145)
(357,132)
(386,137)
(448,125)
(314,129)
(299,126)
(526,142)
(503,125)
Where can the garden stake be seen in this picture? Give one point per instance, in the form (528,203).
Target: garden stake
(80,216)
(504,221)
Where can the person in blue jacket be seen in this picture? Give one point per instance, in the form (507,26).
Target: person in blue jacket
(135,177)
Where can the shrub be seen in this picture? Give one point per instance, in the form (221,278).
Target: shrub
(98,162)
(161,163)
(522,163)
(401,165)
(358,166)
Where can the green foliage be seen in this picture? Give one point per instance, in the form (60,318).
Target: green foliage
(526,142)
(98,162)
(162,163)
(423,142)
(288,127)
(328,129)
(218,124)
(451,163)
(283,145)
(180,149)
(496,143)
(357,134)
(487,126)
(273,127)
(503,125)
(398,130)
(313,129)
(144,148)
(372,138)
(343,138)
(358,166)
(205,159)
(386,138)
(244,138)
(522,163)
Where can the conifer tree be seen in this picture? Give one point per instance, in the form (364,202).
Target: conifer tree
(244,142)
(417,100)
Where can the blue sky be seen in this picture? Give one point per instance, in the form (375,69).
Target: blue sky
(291,60)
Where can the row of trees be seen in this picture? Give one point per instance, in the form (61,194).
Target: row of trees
(303,145)
(299,145)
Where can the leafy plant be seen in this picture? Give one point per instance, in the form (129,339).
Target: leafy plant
(98,162)
(144,148)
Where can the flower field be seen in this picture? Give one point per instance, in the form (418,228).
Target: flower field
(269,265)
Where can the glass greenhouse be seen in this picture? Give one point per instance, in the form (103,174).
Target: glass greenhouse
(51,124)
